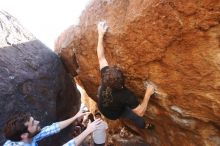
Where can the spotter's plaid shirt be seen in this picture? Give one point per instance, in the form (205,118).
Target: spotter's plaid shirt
(45,132)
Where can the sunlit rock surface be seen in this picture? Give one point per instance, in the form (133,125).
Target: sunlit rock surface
(173,43)
(33,79)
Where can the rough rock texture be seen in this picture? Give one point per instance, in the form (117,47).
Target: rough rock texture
(32,79)
(173,43)
(130,141)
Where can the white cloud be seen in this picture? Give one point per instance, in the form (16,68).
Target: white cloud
(46,19)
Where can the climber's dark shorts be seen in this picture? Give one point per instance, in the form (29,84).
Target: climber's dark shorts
(129,114)
(99,144)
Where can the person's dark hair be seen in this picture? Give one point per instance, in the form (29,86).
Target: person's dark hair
(90,117)
(14,127)
(97,113)
(113,78)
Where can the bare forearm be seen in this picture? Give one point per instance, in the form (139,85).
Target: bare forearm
(100,48)
(65,123)
(101,54)
(141,108)
(81,137)
(145,102)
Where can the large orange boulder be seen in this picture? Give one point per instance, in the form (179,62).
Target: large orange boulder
(173,43)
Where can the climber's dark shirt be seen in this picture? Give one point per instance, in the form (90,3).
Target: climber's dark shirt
(112,104)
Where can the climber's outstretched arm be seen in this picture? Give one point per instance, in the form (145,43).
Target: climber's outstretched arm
(141,108)
(102,28)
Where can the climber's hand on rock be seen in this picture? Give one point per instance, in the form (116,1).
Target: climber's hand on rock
(150,89)
(102,28)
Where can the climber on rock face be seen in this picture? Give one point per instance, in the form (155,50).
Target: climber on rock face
(114,99)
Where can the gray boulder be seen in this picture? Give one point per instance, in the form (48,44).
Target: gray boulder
(33,79)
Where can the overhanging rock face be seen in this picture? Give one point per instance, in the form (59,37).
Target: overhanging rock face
(32,79)
(173,43)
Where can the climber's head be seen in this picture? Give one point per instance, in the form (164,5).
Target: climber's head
(113,78)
